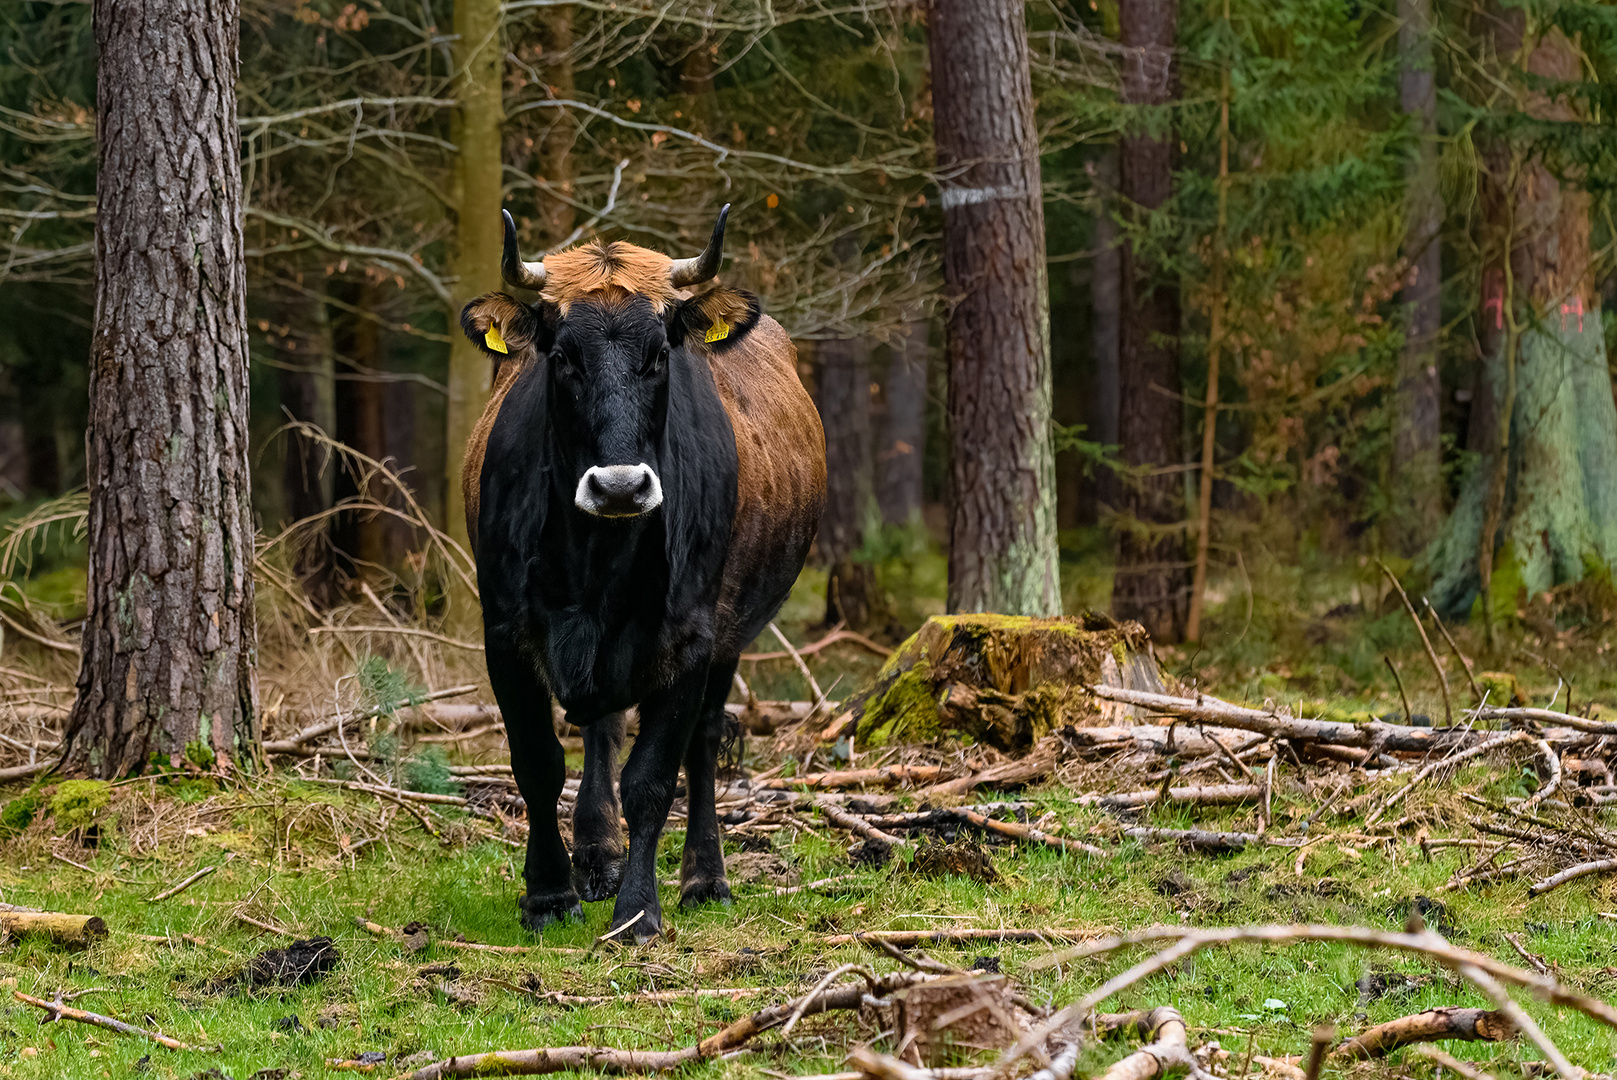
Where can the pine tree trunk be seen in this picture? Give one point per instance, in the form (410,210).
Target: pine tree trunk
(901,459)
(1415,477)
(1106,312)
(360,537)
(555,147)
(1539,508)
(1153,579)
(1002,537)
(169,641)
(305,380)
(479,116)
(843,390)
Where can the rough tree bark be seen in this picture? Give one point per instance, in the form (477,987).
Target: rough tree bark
(1002,536)
(899,462)
(554,151)
(843,392)
(1153,581)
(1105,300)
(1414,475)
(169,641)
(1540,506)
(479,117)
(305,376)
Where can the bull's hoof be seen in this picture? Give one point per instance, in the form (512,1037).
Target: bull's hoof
(598,871)
(700,891)
(646,927)
(542,910)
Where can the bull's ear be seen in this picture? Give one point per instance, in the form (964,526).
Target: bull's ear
(503,327)
(716,320)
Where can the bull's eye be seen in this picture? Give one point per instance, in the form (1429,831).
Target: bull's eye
(657,362)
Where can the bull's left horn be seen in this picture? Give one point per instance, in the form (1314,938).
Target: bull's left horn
(526,275)
(684,272)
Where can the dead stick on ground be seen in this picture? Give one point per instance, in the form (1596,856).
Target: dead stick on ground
(610,1060)
(182,886)
(1453,759)
(1571,873)
(1187,942)
(1465,1069)
(1167,1053)
(1324,1036)
(856,824)
(1027,832)
(1465,665)
(1517,1016)
(1469,1025)
(1409,717)
(802,666)
(907,938)
(1431,653)
(56,1010)
(1521,950)
(1554,780)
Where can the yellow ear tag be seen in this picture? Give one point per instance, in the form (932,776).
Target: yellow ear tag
(494,341)
(717,332)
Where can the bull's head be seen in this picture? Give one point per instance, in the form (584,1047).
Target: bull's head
(610,321)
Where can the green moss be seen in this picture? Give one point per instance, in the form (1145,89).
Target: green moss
(75,803)
(903,712)
(20,812)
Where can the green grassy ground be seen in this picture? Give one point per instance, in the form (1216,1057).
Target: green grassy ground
(290,868)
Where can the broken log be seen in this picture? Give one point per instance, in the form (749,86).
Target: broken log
(1168,1052)
(1205,795)
(56,1010)
(886,776)
(903,939)
(61,928)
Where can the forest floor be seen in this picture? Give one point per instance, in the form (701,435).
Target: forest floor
(303,859)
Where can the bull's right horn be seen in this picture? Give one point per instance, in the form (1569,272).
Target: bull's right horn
(526,275)
(683,272)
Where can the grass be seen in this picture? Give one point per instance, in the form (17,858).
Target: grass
(290,868)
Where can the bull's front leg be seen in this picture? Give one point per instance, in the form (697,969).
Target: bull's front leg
(540,769)
(598,859)
(649,778)
(701,872)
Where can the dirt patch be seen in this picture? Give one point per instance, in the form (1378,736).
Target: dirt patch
(760,868)
(305,961)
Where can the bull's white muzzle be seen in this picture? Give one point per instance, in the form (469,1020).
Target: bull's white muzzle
(619,491)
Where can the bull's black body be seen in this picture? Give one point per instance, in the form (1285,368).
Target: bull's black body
(611,612)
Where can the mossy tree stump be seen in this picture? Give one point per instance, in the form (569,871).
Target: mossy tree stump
(1000,679)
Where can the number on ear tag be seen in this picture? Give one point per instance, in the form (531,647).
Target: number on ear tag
(717,332)
(494,341)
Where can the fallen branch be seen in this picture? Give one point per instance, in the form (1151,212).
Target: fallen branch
(182,886)
(1450,760)
(810,886)
(610,1060)
(60,928)
(828,640)
(1187,942)
(1548,716)
(1554,881)
(1205,795)
(802,666)
(1026,832)
(906,938)
(1022,770)
(1465,1069)
(1211,710)
(1195,839)
(57,1010)
(1167,1054)
(856,824)
(1433,1025)
(1431,653)
(326,727)
(886,776)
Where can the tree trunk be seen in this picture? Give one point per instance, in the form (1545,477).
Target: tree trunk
(843,389)
(1106,306)
(478,56)
(1415,476)
(360,537)
(902,455)
(1540,507)
(1153,582)
(305,379)
(555,146)
(169,642)
(1002,535)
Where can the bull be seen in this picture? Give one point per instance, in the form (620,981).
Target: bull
(641,492)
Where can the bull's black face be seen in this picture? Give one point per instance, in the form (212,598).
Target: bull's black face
(609,373)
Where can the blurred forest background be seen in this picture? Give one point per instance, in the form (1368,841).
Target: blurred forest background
(1316,251)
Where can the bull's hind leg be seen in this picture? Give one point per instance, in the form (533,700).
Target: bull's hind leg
(597,831)
(649,778)
(701,872)
(538,764)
